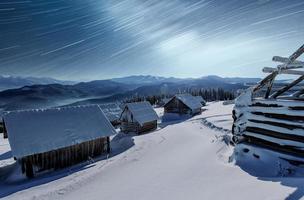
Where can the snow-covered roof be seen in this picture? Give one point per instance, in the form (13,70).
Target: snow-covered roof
(42,130)
(166,100)
(189,100)
(111,110)
(142,112)
(200,98)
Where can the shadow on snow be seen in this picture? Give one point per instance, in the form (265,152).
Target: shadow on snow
(6,155)
(267,165)
(171,119)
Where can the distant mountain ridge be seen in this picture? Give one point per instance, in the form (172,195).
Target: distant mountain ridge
(11,82)
(37,96)
(102,91)
(14,82)
(148,79)
(232,79)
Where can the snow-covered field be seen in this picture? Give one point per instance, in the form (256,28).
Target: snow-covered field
(184,159)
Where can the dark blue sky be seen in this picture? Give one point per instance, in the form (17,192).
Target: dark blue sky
(94,39)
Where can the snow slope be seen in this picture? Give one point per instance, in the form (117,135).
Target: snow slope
(5,153)
(183,159)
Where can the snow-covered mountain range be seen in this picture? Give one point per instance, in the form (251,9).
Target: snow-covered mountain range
(47,92)
(10,82)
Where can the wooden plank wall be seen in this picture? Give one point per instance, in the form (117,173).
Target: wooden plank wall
(136,128)
(148,127)
(176,106)
(275,124)
(129,126)
(64,157)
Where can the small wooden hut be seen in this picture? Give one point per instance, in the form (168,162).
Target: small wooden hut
(269,118)
(183,104)
(57,138)
(112,112)
(138,117)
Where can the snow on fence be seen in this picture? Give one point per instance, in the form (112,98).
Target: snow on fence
(273,121)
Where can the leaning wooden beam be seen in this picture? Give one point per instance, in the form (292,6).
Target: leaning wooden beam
(284,71)
(291,66)
(270,84)
(296,54)
(291,59)
(275,72)
(285,88)
(286,60)
(266,80)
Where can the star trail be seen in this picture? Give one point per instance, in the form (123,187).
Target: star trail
(91,39)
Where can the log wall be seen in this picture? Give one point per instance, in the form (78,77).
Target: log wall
(176,106)
(136,128)
(274,124)
(64,157)
(148,127)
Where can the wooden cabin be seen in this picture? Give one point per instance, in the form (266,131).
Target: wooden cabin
(56,138)
(266,117)
(183,104)
(138,117)
(201,100)
(112,112)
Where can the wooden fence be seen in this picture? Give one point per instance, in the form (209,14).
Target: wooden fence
(275,124)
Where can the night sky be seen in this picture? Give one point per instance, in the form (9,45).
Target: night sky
(99,39)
